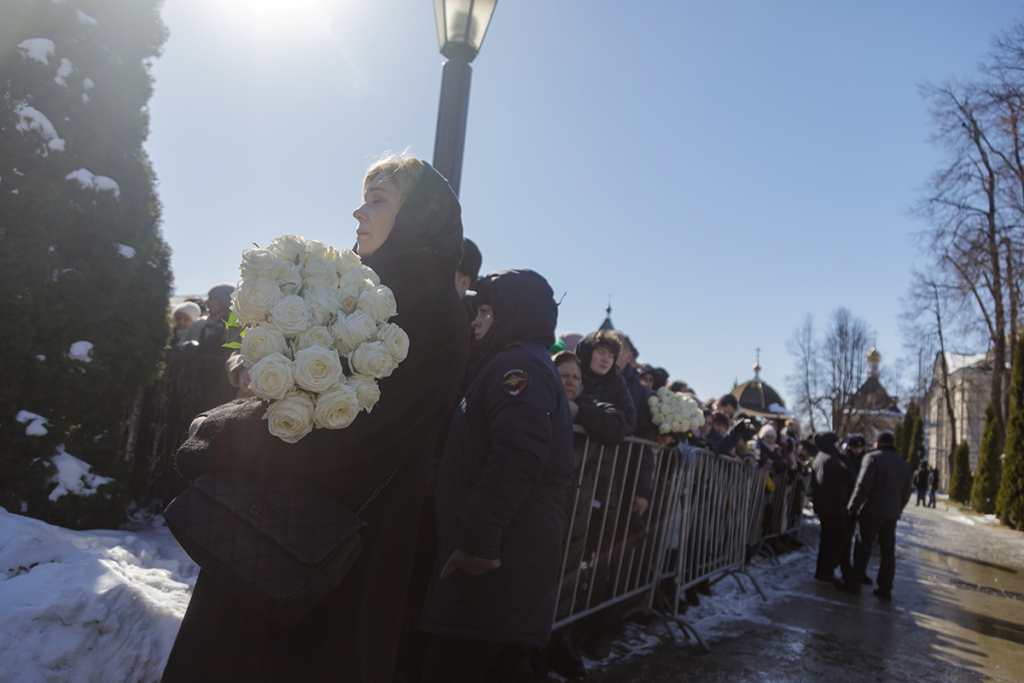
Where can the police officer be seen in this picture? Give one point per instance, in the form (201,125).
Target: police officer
(501,492)
(883,489)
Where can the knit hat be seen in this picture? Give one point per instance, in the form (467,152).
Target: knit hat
(471,259)
(188,308)
(221,293)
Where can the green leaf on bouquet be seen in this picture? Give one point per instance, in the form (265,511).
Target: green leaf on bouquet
(233,345)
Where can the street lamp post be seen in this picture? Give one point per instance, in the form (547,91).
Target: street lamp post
(461,27)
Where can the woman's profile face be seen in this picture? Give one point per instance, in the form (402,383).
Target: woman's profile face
(381,202)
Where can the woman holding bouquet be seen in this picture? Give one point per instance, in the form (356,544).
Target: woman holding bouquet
(410,233)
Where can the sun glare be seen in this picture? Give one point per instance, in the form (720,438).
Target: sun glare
(277,16)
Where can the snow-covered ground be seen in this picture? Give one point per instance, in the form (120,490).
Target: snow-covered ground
(84,606)
(101,606)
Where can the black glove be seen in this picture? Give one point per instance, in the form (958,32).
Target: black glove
(745,429)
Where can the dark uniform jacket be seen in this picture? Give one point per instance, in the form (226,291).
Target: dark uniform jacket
(501,488)
(883,486)
(831,484)
(353,635)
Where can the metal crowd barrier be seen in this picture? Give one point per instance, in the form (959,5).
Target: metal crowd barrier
(706,517)
(784,509)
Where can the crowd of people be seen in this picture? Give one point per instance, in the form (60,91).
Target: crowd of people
(463,467)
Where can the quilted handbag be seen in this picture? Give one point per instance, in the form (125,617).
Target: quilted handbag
(277,545)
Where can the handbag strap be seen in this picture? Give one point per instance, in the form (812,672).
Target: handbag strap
(376,492)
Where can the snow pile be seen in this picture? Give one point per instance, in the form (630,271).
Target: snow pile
(84,19)
(81,350)
(125,250)
(90,181)
(73,476)
(30,118)
(63,71)
(36,423)
(38,49)
(88,606)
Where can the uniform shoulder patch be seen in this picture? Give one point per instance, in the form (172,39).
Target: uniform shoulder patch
(514,381)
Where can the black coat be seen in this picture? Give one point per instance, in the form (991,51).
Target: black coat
(501,489)
(883,486)
(353,635)
(831,484)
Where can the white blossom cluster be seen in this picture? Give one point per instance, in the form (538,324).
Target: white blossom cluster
(675,413)
(317,336)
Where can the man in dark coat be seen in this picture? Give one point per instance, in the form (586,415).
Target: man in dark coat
(882,490)
(921,484)
(933,486)
(501,494)
(831,486)
(353,635)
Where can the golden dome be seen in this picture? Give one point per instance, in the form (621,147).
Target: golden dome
(874,355)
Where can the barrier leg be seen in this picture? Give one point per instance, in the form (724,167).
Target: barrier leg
(689,629)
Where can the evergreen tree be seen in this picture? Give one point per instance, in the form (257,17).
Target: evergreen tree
(912,415)
(900,438)
(915,444)
(986,481)
(960,480)
(84,275)
(1010,500)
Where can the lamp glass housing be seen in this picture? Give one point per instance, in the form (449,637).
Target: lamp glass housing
(462,25)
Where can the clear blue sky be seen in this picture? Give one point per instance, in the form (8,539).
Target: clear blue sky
(720,168)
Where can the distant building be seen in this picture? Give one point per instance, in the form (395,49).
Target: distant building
(607,324)
(871,409)
(761,399)
(970,384)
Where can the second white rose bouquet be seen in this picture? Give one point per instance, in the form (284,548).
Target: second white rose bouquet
(316,336)
(675,413)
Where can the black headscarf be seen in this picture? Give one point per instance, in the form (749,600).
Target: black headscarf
(428,226)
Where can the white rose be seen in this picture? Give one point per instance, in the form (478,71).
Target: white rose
(259,263)
(355,278)
(349,331)
(366,389)
(317,369)
(319,270)
(348,298)
(288,247)
(289,278)
(345,260)
(271,378)
(317,248)
(253,299)
(369,274)
(318,335)
(290,315)
(371,358)
(336,408)
(379,303)
(323,302)
(261,341)
(395,340)
(291,418)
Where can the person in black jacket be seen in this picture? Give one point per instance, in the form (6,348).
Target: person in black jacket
(831,486)
(921,484)
(882,491)
(353,635)
(501,494)
(933,486)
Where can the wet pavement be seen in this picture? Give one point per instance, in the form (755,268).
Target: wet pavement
(957,615)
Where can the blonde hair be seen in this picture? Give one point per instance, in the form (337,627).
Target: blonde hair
(403,169)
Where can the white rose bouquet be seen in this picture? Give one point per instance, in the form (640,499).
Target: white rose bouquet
(674,413)
(314,334)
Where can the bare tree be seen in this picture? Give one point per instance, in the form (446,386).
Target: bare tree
(805,381)
(926,307)
(844,359)
(969,227)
